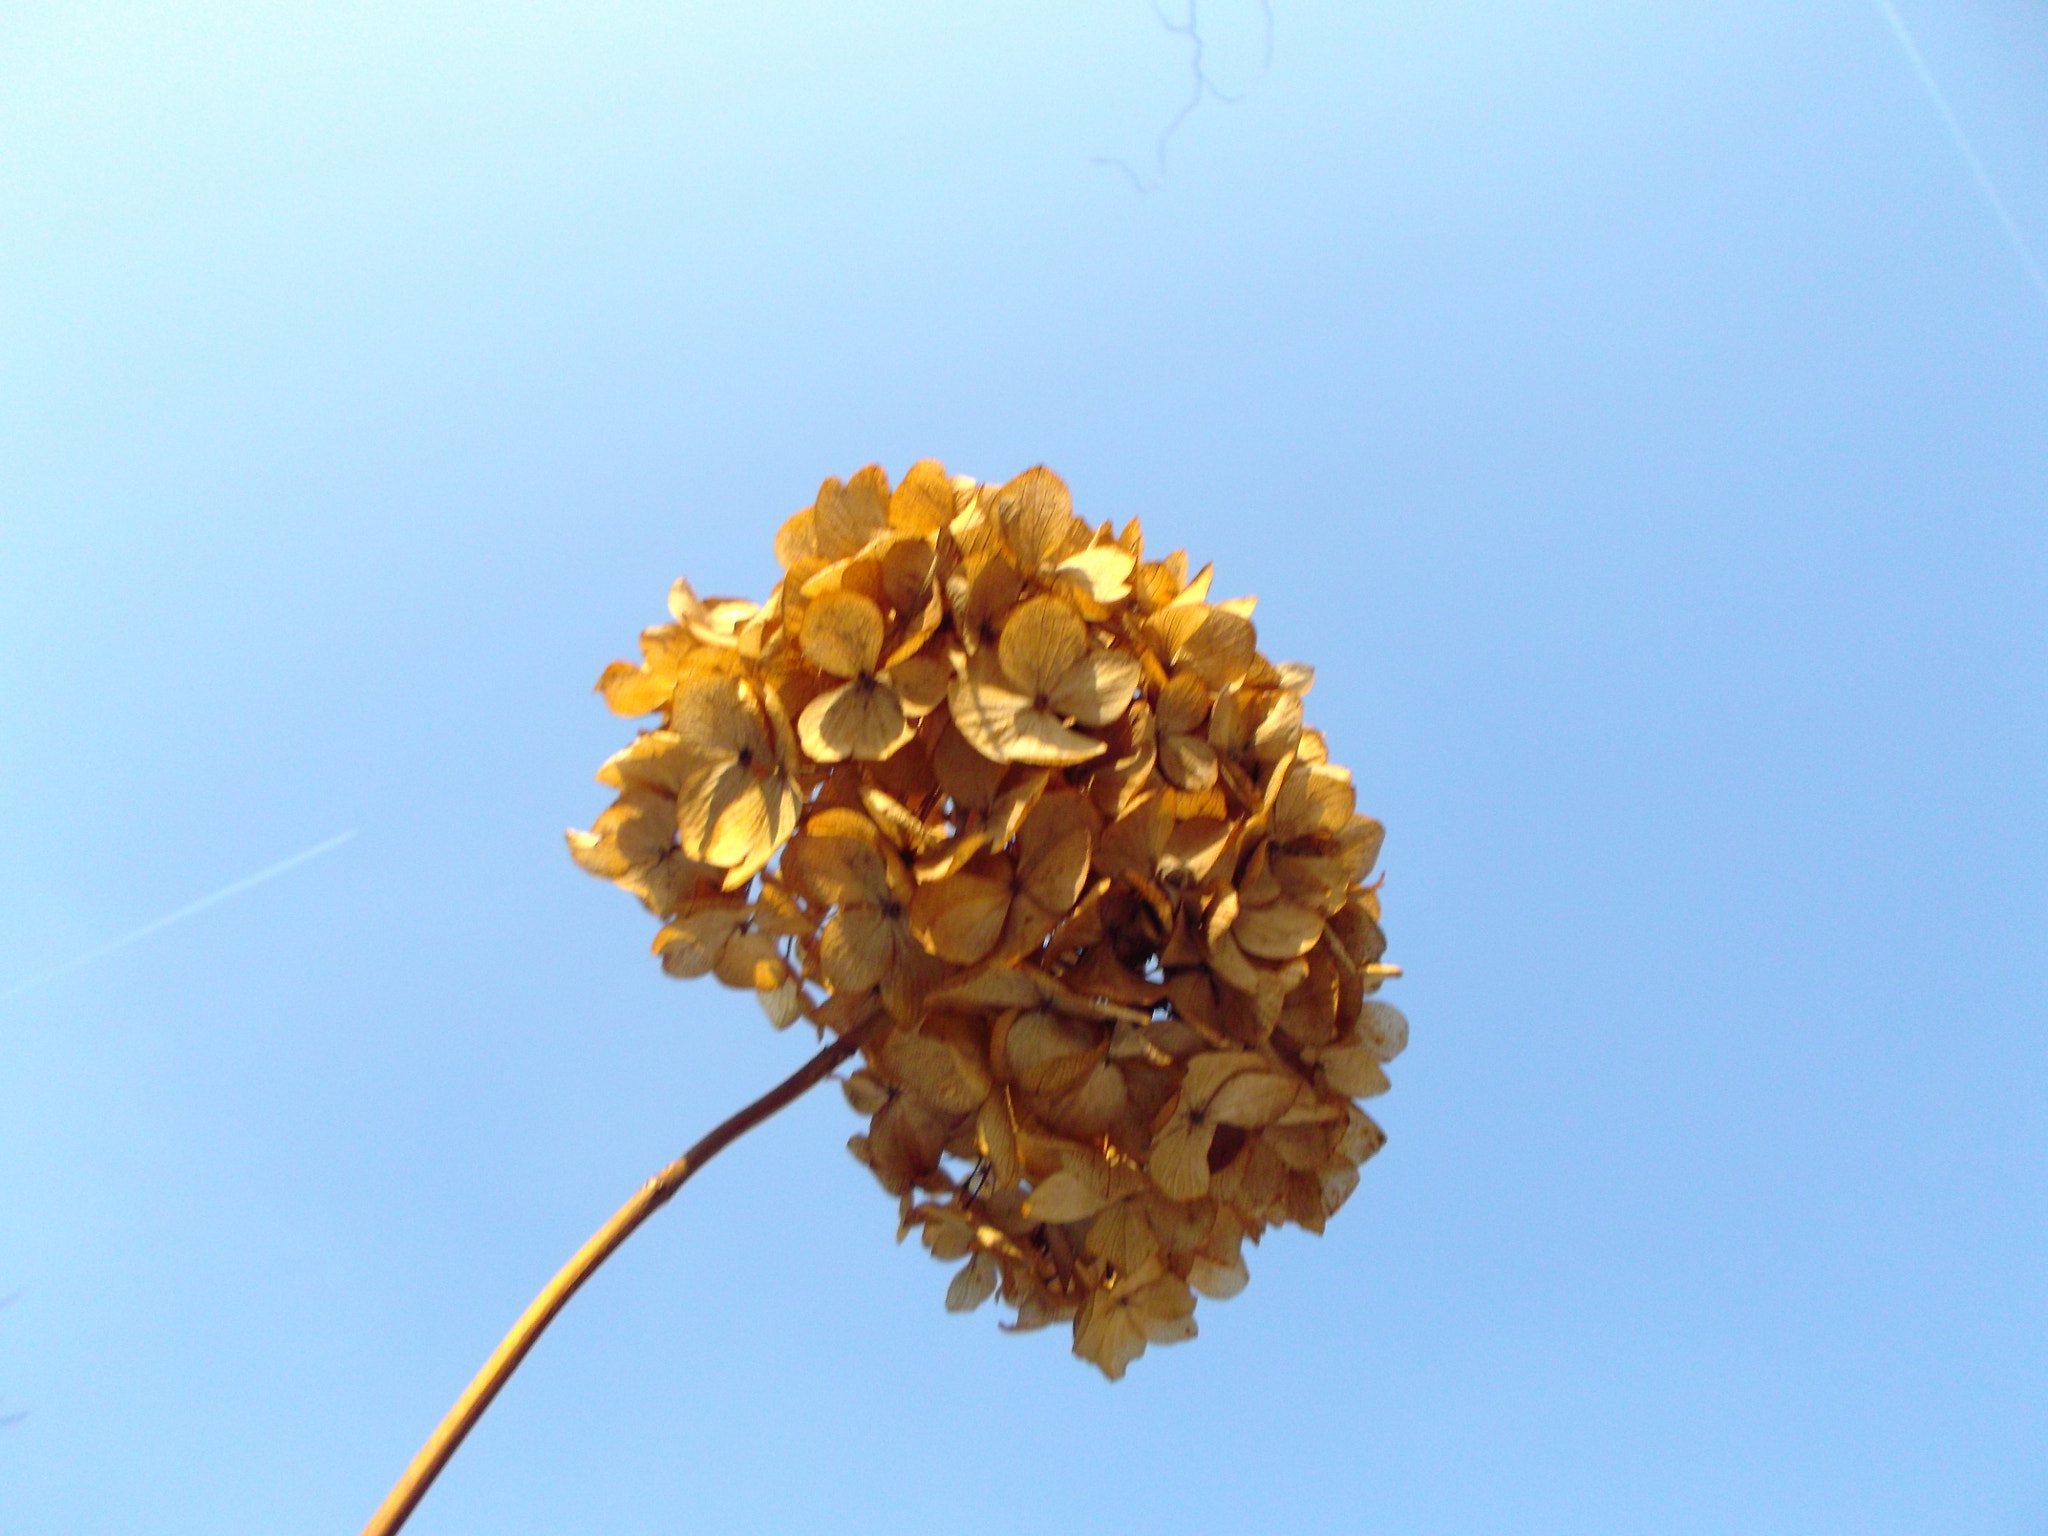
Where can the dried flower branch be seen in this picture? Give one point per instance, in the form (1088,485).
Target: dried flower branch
(1027,821)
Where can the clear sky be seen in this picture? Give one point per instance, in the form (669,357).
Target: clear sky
(1636,412)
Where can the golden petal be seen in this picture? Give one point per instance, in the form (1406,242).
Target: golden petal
(866,1092)
(596,854)
(1179,1163)
(842,634)
(630,690)
(1279,732)
(751,960)
(1102,572)
(1132,844)
(1049,1054)
(691,945)
(1123,1236)
(1359,845)
(1106,1336)
(920,684)
(1007,812)
(783,1004)
(1208,1072)
(855,949)
(985,715)
(923,503)
(974,1284)
(795,542)
(1039,738)
(899,823)
(934,1071)
(912,977)
(1314,801)
(960,917)
(1098,688)
(1041,641)
(829,865)
(655,760)
(970,776)
(848,516)
(1063,1197)
(1090,1110)
(995,1132)
(1280,931)
(1218,1269)
(1036,514)
(714,715)
(1165,1310)
(1352,1070)
(1188,762)
(1045,833)
(1362,1137)
(1384,1028)
(861,720)
(1183,703)
(1252,1099)
(1213,643)
(1054,877)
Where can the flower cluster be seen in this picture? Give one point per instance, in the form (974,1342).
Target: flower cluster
(1036,806)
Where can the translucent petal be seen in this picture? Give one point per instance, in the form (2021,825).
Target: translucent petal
(920,684)
(1187,761)
(713,715)
(866,1092)
(1179,1163)
(1098,688)
(842,634)
(1103,572)
(1385,1028)
(691,945)
(1063,1197)
(985,715)
(935,1072)
(974,1284)
(1122,1236)
(751,960)
(1253,1099)
(855,949)
(1313,801)
(1183,703)
(1048,1054)
(847,517)
(861,720)
(783,1004)
(923,503)
(632,691)
(1036,513)
(960,917)
(1352,1070)
(1039,738)
(596,854)
(1280,931)
(1043,638)
(836,870)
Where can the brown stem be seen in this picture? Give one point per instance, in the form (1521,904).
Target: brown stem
(652,1196)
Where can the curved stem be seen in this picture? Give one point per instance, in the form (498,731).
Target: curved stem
(651,1197)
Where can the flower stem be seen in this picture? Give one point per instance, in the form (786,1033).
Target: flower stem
(651,1197)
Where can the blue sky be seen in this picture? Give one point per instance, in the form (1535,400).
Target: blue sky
(1634,412)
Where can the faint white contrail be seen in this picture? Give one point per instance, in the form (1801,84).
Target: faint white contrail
(191,909)
(1961,141)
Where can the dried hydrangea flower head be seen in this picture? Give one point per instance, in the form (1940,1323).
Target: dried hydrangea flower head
(1034,810)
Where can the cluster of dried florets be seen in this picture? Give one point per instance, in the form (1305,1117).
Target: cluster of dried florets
(1041,806)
